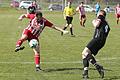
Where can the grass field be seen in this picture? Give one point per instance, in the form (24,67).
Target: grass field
(60,55)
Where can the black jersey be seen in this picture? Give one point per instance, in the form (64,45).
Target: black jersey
(101,32)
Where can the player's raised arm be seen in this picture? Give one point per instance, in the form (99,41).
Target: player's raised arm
(22,16)
(96,22)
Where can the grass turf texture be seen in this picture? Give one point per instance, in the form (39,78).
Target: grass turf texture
(60,55)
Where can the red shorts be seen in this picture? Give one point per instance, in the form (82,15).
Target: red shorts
(82,16)
(118,16)
(29,34)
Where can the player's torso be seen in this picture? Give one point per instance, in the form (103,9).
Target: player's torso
(36,27)
(118,10)
(102,31)
(81,10)
(97,6)
(69,11)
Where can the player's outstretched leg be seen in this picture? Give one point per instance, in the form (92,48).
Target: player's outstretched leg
(19,43)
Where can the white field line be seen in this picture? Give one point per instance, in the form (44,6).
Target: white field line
(67,62)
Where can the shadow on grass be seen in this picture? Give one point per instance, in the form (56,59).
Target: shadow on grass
(69,69)
(62,69)
(112,78)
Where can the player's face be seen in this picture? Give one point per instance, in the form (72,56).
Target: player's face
(39,18)
(118,5)
(100,13)
(81,4)
(69,4)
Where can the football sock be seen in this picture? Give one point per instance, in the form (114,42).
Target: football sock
(117,21)
(37,60)
(71,31)
(19,42)
(85,63)
(64,28)
(91,59)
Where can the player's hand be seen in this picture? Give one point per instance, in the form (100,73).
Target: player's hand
(65,32)
(20,19)
(64,17)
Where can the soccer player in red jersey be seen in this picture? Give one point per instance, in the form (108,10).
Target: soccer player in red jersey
(81,11)
(117,12)
(33,31)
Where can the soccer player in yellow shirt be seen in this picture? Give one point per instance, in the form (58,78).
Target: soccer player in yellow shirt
(68,16)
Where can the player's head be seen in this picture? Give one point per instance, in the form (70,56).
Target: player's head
(31,10)
(97,3)
(39,15)
(102,14)
(81,3)
(69,4)
(118,4)
(108,7)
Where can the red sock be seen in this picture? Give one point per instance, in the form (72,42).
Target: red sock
(37,59)
(19,42)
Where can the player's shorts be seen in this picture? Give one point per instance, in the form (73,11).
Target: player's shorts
(82,16)
(69,19)
(29,34)
(95,45)
(118,16)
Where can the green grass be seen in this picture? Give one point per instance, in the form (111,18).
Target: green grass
(60,55)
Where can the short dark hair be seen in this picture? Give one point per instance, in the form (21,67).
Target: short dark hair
(82,2)
(38,13)
(104,13)
(31,9)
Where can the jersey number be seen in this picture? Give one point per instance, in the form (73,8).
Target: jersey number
(106,28)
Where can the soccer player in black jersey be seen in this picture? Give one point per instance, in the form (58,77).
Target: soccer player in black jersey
(101,32)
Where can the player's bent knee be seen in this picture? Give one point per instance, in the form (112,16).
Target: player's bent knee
(85,52)
(24,37)
(70,25)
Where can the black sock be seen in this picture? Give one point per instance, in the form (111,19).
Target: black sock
(64,28)
(71,31)
(91,59)
(85,62)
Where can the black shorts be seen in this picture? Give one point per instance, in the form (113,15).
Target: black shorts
(69,20)
(95,45)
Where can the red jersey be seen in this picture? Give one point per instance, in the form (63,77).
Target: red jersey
(36,27)
(117,10)
(30,16)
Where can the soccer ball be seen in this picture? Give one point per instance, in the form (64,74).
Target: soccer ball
(33,43)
